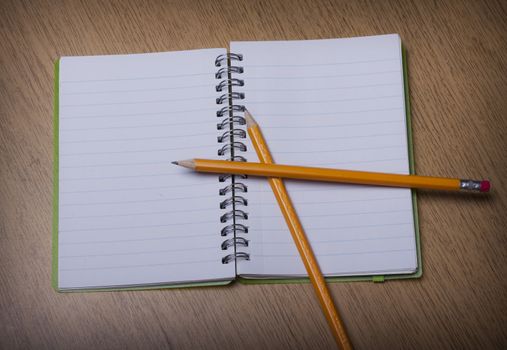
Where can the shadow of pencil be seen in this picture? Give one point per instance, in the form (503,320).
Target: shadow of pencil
(489,197)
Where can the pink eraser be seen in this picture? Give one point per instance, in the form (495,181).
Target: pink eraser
(485,186)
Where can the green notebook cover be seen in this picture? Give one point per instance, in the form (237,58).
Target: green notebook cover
(375,278)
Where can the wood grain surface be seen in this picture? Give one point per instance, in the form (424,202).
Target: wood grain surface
(457,59)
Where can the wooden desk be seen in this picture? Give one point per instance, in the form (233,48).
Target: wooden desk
(458,80)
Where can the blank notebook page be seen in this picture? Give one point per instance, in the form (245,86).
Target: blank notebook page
(330,103)
(127,216)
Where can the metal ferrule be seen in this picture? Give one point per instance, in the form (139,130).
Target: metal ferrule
(471,185)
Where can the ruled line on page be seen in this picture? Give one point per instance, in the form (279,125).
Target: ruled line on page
(65,179)
(334,113)
(321,76)
(140,266)
(108,165)
(114,228)
(138,126)
(166,137)
(120,241)
(135,78)
(345,214)
(141,200)
(143,114)
(140,252)
(331,125)
(342,150)
(349,190)
(299,202)
(299,101)
(125,189)
(141,102)
(249,89)
(212,86)
(316,229)
(308,190)
(321,64)
(316,242)
(335,254)
(140,189)
(358,162)
(138,213)
(138,151)
(335,137)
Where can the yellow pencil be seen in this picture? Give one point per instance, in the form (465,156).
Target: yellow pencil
(298,234)
(334,175)
(300,239)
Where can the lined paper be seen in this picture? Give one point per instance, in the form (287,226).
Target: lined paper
(331,103)
(127,216)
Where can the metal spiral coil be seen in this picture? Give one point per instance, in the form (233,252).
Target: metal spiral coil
(225,71)
(239,133)
(230,109)
(236,200)
(229,147)
(223,177)
(234,120)
(235,214)
(233,228)
(227,58)
(232,125)
(236,256)
(228,96)
(237,187)
(235,241)
(229,83)
(238,159)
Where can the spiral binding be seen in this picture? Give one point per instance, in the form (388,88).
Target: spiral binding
(231,134)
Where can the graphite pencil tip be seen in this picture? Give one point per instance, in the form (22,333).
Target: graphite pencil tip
(187,163)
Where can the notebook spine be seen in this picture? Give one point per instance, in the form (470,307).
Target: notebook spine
(231,126)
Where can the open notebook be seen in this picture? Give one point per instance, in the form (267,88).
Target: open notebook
(125,217)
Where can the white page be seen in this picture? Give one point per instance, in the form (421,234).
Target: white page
(127,216)
(331,103)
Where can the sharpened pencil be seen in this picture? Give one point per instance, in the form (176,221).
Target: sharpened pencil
(298,234)
(334,175)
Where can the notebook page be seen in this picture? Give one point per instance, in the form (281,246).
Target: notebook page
(331,103)
(127,216)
